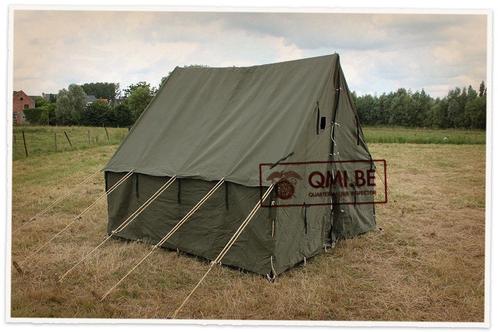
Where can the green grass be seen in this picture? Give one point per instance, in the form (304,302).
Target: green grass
(423,135)
(41,140)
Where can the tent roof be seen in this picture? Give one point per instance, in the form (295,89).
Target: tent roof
(211,123)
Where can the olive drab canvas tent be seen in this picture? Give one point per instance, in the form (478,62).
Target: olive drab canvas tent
(207,124)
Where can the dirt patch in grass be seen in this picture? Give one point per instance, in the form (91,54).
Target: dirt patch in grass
(424,263)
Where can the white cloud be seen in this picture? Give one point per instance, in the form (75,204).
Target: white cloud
(379,53)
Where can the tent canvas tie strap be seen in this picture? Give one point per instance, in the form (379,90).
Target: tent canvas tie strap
(125,223)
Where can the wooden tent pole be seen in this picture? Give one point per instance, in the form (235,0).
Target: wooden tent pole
(125,223)
(170,233)
(78,217)
(227,247)
(57,201)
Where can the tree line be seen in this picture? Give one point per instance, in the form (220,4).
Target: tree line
(110,107)
(461,108)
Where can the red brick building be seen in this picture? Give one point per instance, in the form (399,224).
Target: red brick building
(21,102)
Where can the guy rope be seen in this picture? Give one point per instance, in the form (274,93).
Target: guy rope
(227,247)
(75,219)
(170,233)
(123,224)
(55,202)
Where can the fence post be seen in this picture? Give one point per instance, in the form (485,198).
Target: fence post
(107,134)
(89,141)
(70,144)
(24,140)
(55,141)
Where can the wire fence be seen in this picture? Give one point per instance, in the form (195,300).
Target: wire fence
(30,141)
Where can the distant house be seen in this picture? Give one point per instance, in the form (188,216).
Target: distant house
(90,99)
(21,101)
(50,97)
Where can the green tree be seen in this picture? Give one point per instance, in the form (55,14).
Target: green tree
(366,108)
(96,113)
(482,89)
(38,114)
(399,108)
(476,112)
(422,104)
(40,101)
(121,116)
(437,116)
(102,90)
(70,105)
(453,110)
(138,96)
(63,107)
(32,115)
(78,101)
(48,114)
(461,108)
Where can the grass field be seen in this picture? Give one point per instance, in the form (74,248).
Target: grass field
(44,139)
(424,263)
(423,135)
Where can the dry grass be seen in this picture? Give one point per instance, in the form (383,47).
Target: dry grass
(425,263)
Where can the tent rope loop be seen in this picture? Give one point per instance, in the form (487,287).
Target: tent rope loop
(333,139)
(274,273)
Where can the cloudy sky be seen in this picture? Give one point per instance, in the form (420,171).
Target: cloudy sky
(379,52)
